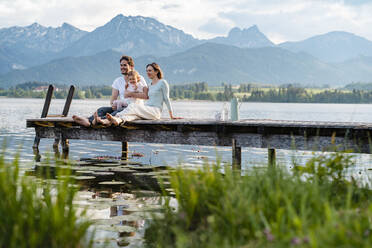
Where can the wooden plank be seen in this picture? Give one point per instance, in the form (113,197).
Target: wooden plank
(247,133)
(354,141)
(124,150)
(271,157)
(48,99)
(236,156)
(68,100)
(224,129)
(266,125)
(44,112)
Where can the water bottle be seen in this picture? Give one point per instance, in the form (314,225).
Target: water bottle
(234,109)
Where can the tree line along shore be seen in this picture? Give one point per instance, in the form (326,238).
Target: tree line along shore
(248,92)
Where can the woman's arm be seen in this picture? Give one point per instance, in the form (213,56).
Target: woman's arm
(165,91)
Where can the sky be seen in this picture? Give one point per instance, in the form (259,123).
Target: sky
(279,20)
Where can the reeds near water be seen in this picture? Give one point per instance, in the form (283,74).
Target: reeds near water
(310,206)
(35,213)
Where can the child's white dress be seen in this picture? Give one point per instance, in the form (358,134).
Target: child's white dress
(123,103)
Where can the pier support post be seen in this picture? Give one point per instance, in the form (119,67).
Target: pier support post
(44,113)
(36,142)
(66,108)
(37,154)
(271,157)
(65,148)
(65,144)
(236,156)
(57,154)
(124,150)
(56,143)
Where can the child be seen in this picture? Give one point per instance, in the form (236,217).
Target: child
(132,86)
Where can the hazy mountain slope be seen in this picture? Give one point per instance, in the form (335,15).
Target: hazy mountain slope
(333,46)
(212,63)
(215,63)
(97,69)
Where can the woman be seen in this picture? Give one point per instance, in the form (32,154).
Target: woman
(158,94)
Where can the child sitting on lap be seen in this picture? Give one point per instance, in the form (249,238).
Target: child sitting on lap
(132,86)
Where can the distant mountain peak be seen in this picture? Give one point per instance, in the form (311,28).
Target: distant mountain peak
(135,35)
(67,25)
(35,25)
(250,37)
(339,32)
(119,16)
(140,20)
(236,31)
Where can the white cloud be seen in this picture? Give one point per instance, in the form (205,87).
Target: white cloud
(280,20)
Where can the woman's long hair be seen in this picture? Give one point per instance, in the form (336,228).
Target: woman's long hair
(159,72)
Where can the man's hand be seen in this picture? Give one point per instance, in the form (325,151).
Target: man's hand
(113,106)
(128,94)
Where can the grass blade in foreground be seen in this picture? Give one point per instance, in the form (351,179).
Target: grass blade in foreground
(315,206)
(36,214)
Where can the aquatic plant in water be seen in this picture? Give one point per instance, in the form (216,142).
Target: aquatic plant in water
(313,207)
(36,213)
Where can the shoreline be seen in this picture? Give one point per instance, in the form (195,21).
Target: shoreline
(192,100)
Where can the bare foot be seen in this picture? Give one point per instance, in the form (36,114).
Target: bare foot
(114,120)
(104,122)
(83,121)
(94,122)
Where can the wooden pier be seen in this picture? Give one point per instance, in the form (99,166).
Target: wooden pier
(270,134)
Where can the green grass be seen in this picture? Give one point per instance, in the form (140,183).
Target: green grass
(35,214)
(311,206)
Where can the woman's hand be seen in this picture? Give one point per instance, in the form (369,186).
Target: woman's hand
(173,117)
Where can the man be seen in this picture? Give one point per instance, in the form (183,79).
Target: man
(118,90)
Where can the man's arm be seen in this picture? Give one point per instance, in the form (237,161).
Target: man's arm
(114,96)
(143,95)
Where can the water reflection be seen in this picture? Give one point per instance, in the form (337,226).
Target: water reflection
(120,196)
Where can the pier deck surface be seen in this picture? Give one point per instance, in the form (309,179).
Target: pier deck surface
(260,133)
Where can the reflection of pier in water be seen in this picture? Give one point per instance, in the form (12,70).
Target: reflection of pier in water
(108,175)
(119,196)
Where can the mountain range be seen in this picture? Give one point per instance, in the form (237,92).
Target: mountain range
(209,62)
(334,46)
(21,47)
(132,35)
(67,54)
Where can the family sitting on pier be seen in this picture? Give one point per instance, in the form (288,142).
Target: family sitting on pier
(128,94)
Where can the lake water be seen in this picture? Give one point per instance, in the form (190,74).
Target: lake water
(117,209)
(14,112)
